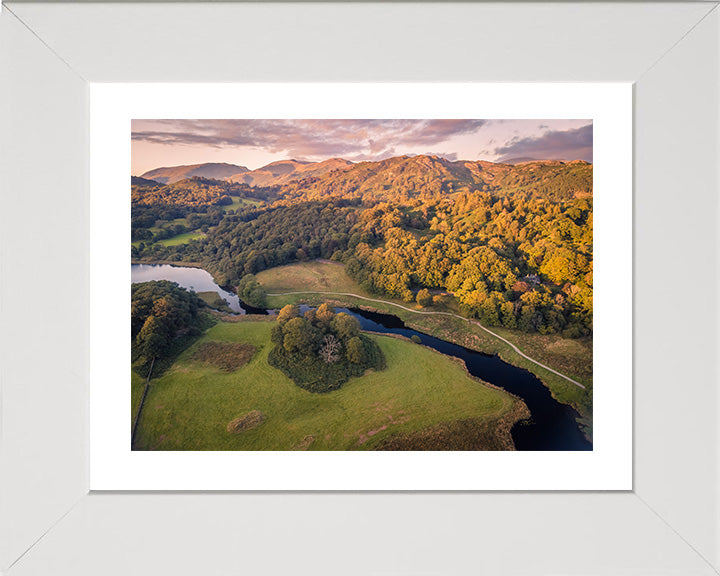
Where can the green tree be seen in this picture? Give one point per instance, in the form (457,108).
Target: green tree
(345,326)
(356,350)
(424,298)
(296,336)
(250,291)
(153,337)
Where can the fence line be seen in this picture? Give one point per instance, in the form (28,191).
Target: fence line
(142,402)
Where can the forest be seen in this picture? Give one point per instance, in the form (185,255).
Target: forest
(514,244)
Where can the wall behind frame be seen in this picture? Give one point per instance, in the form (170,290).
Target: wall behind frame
(677,402)
(43,288)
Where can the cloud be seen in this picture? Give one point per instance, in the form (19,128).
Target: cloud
(574,144)
(305,138)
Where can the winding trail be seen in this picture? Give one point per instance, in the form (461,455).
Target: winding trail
(515,348)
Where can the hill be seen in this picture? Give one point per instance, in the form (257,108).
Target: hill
(405,177)
(398,178)
(144,182)
(190,192)
(172,174)
(285,171)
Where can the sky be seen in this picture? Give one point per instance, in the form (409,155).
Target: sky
(255,143)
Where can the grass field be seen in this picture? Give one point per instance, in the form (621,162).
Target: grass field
(175,240)
(570,357)
(238,202)
(181,238)
(317,275)
(191,405)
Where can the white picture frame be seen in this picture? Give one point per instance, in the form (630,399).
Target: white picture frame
(115,466)
(669,522)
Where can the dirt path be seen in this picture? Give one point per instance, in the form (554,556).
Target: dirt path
(515,348)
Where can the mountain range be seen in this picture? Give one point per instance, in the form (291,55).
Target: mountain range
(280,172)
(404,177)
(400,173)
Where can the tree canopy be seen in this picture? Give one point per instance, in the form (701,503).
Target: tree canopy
(320,350)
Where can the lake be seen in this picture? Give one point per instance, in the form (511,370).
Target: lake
(195,279)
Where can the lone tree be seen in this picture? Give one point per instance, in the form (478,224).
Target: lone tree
(330,349)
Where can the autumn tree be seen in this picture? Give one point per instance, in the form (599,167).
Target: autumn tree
(288,312)
(424,298)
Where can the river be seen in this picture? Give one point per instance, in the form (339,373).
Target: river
(553,425)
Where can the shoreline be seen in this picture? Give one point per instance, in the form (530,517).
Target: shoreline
(518,410)
(176,263)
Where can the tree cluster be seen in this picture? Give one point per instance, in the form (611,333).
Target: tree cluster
(522,263)
(320,350)
(161,312)
(267,238)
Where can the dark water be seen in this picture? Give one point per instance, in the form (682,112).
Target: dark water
(553,425)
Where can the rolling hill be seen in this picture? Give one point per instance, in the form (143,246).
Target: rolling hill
(275,173)
(172,174)
(404,177)
(286,171)
(143,182)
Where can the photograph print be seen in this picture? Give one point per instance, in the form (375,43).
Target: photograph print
(369,284)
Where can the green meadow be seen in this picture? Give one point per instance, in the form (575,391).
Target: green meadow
(191,405)
(181,238)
